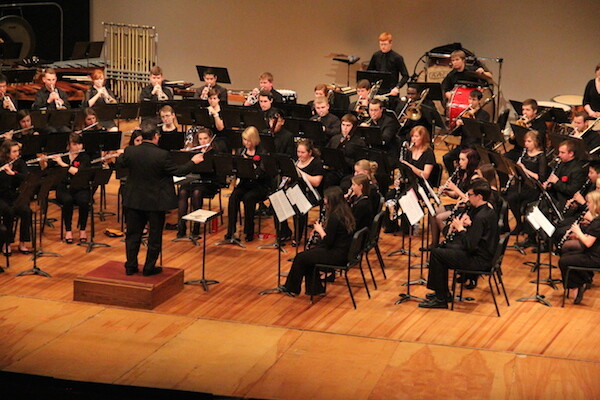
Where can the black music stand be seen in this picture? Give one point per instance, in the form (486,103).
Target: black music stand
(435,89)
(55,142)
(334,159)
(203,216)
(267,142)
(371,135)
(128,111)
(201,117)
(312,130)
(61,118)
(407,180)
(26,190)
(220,72)
(519,132)
(232,116)
(39,118)
(374,76)
(32,145)
(92,178)
(8,120)
(172,141)
(252,117)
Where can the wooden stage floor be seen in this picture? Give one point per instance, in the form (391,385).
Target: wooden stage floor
(232,341)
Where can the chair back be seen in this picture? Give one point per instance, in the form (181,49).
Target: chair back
(375,230)
(381,201)
(500,250)
(357,246)
(435,178)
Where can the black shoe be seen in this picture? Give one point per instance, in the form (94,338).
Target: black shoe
(284,290)
(1,270)
(471,283)
(431,296)
(249,238)
(153,271)
(26,251)
(131,271)
(228,236)
(580,292)
(180,234)
(529,242)
(434,303)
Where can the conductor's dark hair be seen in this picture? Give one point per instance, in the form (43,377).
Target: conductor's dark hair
(266,93)
(3,78)
(482,187)
(148,129)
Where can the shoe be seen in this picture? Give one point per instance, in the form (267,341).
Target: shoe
(153,271)
(294,243)
(249,238)
(228,236)
(25,251)
(431,296)
(580,293)
(131,271)
(180,234)
(471,283)
(1,270)
(285,238)
(69,240)
(434,303)
(284,290)
(82,240)
(526,243)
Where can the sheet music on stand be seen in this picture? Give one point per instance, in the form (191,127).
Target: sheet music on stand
(200,215)
(411,207)
(282,206)
(298,199)
(432,192)
(311,187)
(426,200)
(538,220)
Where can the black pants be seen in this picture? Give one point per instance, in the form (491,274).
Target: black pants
(304,265)
(250,196)
(518,196)
(579,259)
(8,212)
(443,259)
(67,199)
(136,221)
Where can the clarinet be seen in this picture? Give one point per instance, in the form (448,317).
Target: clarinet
(445,185)
(315,237)
(568,233)
(558,162)
(584,188)
(512,178)
(452,234)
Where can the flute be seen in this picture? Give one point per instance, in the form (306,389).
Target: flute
(87,128)
(103,158)
(49,156)
(8,164)
(19,130)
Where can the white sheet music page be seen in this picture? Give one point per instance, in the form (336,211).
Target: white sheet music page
(281,205)
(411,207)
(199,215)
(298,198)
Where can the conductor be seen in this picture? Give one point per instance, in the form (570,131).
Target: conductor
(148,194)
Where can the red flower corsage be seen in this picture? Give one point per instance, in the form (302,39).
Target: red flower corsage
(256,158)
(564,179)
(76,164)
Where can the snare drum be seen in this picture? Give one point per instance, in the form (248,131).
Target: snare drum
(460,102)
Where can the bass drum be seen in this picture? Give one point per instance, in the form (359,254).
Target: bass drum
(460,102)
(17,33)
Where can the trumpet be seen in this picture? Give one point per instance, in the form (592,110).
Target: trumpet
(8,103)
(253,97)
(108,99)
(49,156)
(160,95)
(60,104)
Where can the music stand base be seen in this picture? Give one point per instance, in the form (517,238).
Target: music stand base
(549,282)
(35,271)
(273,245)
(538,297)
(230,241)
(270,291)
(203,282)
(41,253)
(419,281)
(407,297)
(92,244)
(402,252)
(191,238)
(517,248)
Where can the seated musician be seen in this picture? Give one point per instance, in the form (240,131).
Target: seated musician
(330,122)
(455,187)
(265,84)
(11,177)
(214,110)
(88,120)
(310,167)
(67,195)
(459,73)
(590,137)
(583,248)
(562,184)
(474,111)
(7,102)
(99,95)
(156,90)
(24,127)
(368,168)
(387,60)
(591,95)
(321,90)
(473,246)
(284,139)
(210,83)
(427,111)
(360,107)
(533,162)
(359,201)
(348,142)
(388,127)
(249,191)
(168,120)
(205,187)
(530,119)
(336,232)
(50,97)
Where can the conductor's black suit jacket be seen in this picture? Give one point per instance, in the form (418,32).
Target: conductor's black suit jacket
(149,184)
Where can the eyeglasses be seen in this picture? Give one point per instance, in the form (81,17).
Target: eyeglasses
(470,194)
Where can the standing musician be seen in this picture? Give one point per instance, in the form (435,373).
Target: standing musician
(168,120)
(11,177)
(474,245)
(248,191)
(205,187)
(359,201)
(210,83)
(591,95)
(265,84)
(67,195)
(336,236)
(49,97)
(387,60)
(284,139)
(148,194)
(473,111)
(156,90)
(583,250)
(459,73)
(534,164)
(530,119)
(456,187)
(388,126)
(330,122)
(360,107)
(309,166)
(7,102)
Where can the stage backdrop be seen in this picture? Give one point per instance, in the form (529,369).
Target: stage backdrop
(549,47)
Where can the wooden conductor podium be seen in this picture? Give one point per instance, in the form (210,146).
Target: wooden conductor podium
(108,284)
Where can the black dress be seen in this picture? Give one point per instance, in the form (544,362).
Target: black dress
(9,191)
(362,211)
(333,249)
(67,195)
(591,96)
(588,257)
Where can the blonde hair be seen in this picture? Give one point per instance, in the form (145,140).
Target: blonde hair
(369,166)
(594,198)
(251,133)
